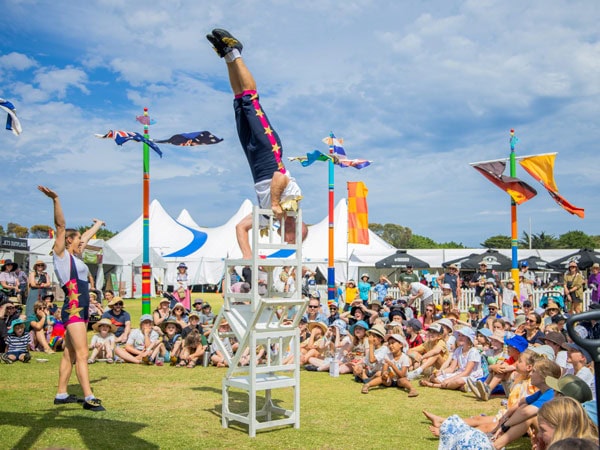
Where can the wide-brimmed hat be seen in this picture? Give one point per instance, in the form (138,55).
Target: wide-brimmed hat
(545,350)
(106,322)
(487,333)
(498,335)
(316,323)
(351,281)
(492,305)
(453,266)
(116,300)
(446,286)
(182,266)
(8,262)
(571,386)
(164,300)
(361,324)
(341,325)
(375,302)
(179,305)
(397,338)
(518,342)
(40,262)
(16,322)
(377,330)
(520,320)
(435,327)
(555,337)
(163,325)
(194,314)
(145,318)
(467,332)
(365,275)
(198,301)
(415,324)
(552,305)
(447,323)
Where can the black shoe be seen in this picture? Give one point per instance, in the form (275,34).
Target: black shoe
(26,357)
(311,368)
(6,359)
(94,404)
(223,42)
(70,399)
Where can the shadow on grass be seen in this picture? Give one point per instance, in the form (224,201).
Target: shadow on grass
(117,431)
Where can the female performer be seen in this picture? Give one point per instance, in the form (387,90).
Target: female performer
(72,274)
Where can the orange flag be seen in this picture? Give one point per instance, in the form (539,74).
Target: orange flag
(541,167)
(358,213)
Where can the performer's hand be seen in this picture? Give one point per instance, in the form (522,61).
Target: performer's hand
(278,211)
(48,192)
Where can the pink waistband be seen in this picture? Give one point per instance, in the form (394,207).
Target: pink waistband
(251,92)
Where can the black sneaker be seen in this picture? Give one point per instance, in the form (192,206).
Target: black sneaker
(94,404)
(26,357)
(311,368)
(63,401)
(223,42)
(5,359)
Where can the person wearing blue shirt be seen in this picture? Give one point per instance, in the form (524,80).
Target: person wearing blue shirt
(364,287)
(381,288)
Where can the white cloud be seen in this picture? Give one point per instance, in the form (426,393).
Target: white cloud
(16,61)
(56,81)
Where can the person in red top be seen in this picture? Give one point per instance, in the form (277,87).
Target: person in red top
(412,331)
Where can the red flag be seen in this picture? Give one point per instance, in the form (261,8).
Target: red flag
(519,191)
(358,213)
(51,233)
(541,167)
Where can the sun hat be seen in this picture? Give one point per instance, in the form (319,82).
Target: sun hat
(393,324)
(571,386)
(492,305)
(510,281)
(415,324)
(342,326)
(446,286)
(164,300)
(467,332)
(194,314)
(555,337)
(40,262)
(351,281)
(375,302)
(316,323)
(146,318)
(116,300)
(361,324)
(595,266)
(498,335)
(378,330)
(453,266)
(315,294)
(397,338)
(364,275)
(178,305)
(163,325)
(435,327)
(476,301)
(518,342)
(206,305)
(447,323)
(104,321)
(490,280)
(552,305)
(182,266)
(520,320)
(8,262)
(544,350)
(16,322)
(487,333)
(570,346)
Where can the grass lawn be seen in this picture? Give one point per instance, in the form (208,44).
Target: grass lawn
(168,407)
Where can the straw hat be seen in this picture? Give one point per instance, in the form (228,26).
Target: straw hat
(40,262)
(104,321)
(321,325)
(114,301)
(377,330)
(163,325)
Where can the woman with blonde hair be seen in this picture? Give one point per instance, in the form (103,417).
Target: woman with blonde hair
(561,418)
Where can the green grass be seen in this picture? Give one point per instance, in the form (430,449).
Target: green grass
(167,407)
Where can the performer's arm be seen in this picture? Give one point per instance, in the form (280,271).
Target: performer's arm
(278,184)
(59,221)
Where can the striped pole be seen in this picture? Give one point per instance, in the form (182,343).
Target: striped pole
(331,267)
(513,216)
(146,268)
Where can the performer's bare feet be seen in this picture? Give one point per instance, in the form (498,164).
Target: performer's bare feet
(436,421)
(435,431)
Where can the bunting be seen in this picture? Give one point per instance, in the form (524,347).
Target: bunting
(541,167)
(12,121)
(358,213)
(316,155)
(518,190)
(121,137)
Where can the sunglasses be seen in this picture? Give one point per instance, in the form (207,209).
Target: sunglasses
(118,304)
(429,310)
(312,306)
(531,321)
(493,309)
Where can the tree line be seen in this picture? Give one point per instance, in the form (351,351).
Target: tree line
(43,231)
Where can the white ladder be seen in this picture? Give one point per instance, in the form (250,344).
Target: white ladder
(268,323)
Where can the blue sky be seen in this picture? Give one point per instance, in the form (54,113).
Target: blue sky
(421,88)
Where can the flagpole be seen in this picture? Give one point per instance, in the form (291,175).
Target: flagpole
(331,259)
(513,216)
(517,158)
(146,268)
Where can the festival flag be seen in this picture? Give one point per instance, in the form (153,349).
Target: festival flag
(121,137)
(12,121)
(145,120)
(338,160)
(358,213)
(541,167)
(519,191)
(310,158)
(191,139)
(336,143)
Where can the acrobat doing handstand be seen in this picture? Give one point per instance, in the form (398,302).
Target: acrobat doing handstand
(275,187)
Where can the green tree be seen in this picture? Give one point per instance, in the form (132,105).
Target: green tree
(2,232)
(451,244)
(102,233)
(575,239)
(417,241)
(16,230)
(498,241)
(541,240)
(393,234)
(39,231)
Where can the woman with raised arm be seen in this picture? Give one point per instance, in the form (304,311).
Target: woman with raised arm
(72,274)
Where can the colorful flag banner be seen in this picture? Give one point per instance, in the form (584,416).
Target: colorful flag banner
(541,167)
(358,213)
(12,121)
(191,139)
(336,143)
(518,190)
(121,137)
(145,120)
(316,155)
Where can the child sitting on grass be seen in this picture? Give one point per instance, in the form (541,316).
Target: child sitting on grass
(432,353)
(39,323)
(193,349)
(316,343)
(56,339)
(464,364)
(395,365)
(103,342)
(369,373)
(170,343)
(17,342)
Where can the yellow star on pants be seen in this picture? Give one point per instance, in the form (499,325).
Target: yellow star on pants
(72,293)
(74,310)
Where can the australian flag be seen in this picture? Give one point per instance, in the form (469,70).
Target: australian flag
(121,137)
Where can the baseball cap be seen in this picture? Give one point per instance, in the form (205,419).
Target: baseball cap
(571,346)
(414,324)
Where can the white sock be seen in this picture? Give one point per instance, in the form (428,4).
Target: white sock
(61,396)
(232,55)
(418,371)
(90,397)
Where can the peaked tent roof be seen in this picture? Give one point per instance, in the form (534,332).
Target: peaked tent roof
(401,259)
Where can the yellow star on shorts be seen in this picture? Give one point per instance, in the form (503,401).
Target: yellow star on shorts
(74,310)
